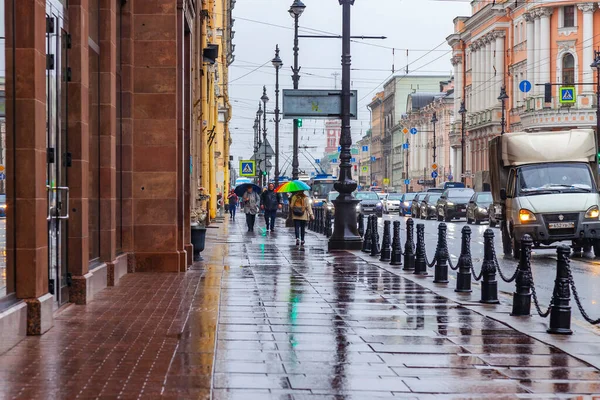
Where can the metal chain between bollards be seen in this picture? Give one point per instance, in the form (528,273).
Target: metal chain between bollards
(504,278)
(578,301)
(452,266)
(475,277)
(536,303)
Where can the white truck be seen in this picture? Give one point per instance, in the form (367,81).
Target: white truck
(545,184)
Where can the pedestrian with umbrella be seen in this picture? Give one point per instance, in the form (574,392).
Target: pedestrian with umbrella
(250,202)
(300,207)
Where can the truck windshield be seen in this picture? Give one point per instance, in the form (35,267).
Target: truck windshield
(555,178)
(322,189)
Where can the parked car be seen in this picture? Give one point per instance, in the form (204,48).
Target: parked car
(329,202)
(453,204)
(416,204)
(393,201)
(369,204)
(477,209)
(2,206)
(406,204)
(428,205)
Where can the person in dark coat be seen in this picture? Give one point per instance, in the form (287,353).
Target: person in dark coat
(270,202)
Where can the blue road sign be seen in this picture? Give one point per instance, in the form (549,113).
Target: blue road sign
(405,146)
(2,176)
(247,168)
(373,158)
(318,161)
(353,160)
(339,148)
(407,181)
(525,86)
(334,161)
(567,95)
(365,148)
(434,174)
(414,131)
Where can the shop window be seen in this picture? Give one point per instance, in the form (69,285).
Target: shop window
(568,69)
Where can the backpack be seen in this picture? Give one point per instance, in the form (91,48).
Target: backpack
(298,207)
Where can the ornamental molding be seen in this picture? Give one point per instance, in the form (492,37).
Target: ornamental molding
(499,34)
(587,7)
(529,17)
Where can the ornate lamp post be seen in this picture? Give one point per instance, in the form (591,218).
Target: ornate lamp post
(463,113)
(503,96)
(296,10)
(345,232)
(433,121)
(277,63)
(259,114)
(596,66)
(265,100)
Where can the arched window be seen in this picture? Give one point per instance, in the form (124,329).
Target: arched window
(568,69)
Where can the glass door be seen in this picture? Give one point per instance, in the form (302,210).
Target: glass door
(58,159)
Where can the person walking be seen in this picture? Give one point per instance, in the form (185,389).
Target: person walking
(251,203)
(270,202)
(233,202)
(301,213)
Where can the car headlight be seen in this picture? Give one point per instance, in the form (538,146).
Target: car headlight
(358,207)
(481,209)
(526,216)
(592,213)
(406,204)
(3,206)
(450,203)
(378,204)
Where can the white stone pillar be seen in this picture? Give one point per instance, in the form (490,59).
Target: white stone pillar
(499,61)
(474,76)
(545,44)
(481,83)
(587,45)
(456,63)
(490,89)
(537,57)
(530,50)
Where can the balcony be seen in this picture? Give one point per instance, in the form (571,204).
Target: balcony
(485,118)
(558,117)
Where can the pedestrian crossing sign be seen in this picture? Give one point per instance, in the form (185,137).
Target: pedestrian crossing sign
(247,168)
(365,168)
(567,95)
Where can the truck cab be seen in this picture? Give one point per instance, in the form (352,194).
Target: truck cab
(545,184)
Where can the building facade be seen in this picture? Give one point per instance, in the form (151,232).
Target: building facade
(104,139)
(506,43)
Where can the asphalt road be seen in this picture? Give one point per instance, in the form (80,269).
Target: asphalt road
(586,272)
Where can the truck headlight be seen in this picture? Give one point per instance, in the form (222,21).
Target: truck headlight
(592,213)
(526,215)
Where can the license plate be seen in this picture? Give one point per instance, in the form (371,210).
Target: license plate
(561,225)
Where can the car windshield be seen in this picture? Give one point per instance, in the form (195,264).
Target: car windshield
(484,198)
(367,196)
(409,196)
(332,196)
(555,178)
(321,189)
(395,197)
(382,196)
(420,196)
(460,194)
(434,197)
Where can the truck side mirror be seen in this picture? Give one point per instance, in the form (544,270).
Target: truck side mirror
(503,194)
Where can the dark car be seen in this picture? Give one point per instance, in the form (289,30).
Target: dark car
(406,204)
(415,208)
(477,209)
(453,204)
(428,205)
(369,203)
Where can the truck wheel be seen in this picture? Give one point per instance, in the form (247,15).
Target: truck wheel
(506,242)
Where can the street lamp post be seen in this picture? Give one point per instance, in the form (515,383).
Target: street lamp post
(433,121)
(463,114)
(277,63)
(596,66)
(345,232)
(265,100)
(503,96)
(259,114)
(407,154)
(296,10)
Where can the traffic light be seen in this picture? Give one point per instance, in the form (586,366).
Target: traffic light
(264,173)
(548,93)
(299,123)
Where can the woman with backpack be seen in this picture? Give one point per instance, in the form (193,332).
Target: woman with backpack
(301,213)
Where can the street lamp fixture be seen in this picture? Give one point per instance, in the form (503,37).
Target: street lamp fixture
(503,96)
(297,8)
(596,65)
(277,63)
(434,120)
(463,113)
(265,100)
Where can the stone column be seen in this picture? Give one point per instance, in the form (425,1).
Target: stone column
(530,50)
(587,45)
(545,44)
(458,85)
(499,36)
(537,56)
(474,66)
(480,89)
(490,87)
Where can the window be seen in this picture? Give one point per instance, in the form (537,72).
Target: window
(568,16)
(568,69)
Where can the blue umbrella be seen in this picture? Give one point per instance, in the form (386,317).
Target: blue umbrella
(243,188)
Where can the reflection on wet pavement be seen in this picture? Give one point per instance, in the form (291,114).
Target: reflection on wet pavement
(263,319)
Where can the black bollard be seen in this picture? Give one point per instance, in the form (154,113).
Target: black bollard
(328,224)
(386,244)
(465,262)
(420,259)
(560,308)
(409,246)
(396,258)
(441,255)
(361,224)
(375,249)
(367,239)
(522,294)
(321,222)
(489,285)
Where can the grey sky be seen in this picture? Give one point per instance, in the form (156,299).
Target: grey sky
(416,25)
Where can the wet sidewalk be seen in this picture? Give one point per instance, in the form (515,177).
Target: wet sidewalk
(263,319)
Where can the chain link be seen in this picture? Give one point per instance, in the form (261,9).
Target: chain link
(578,301)
(452,266)
(432,263)
(477,278)
(536,303)
(502,274)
